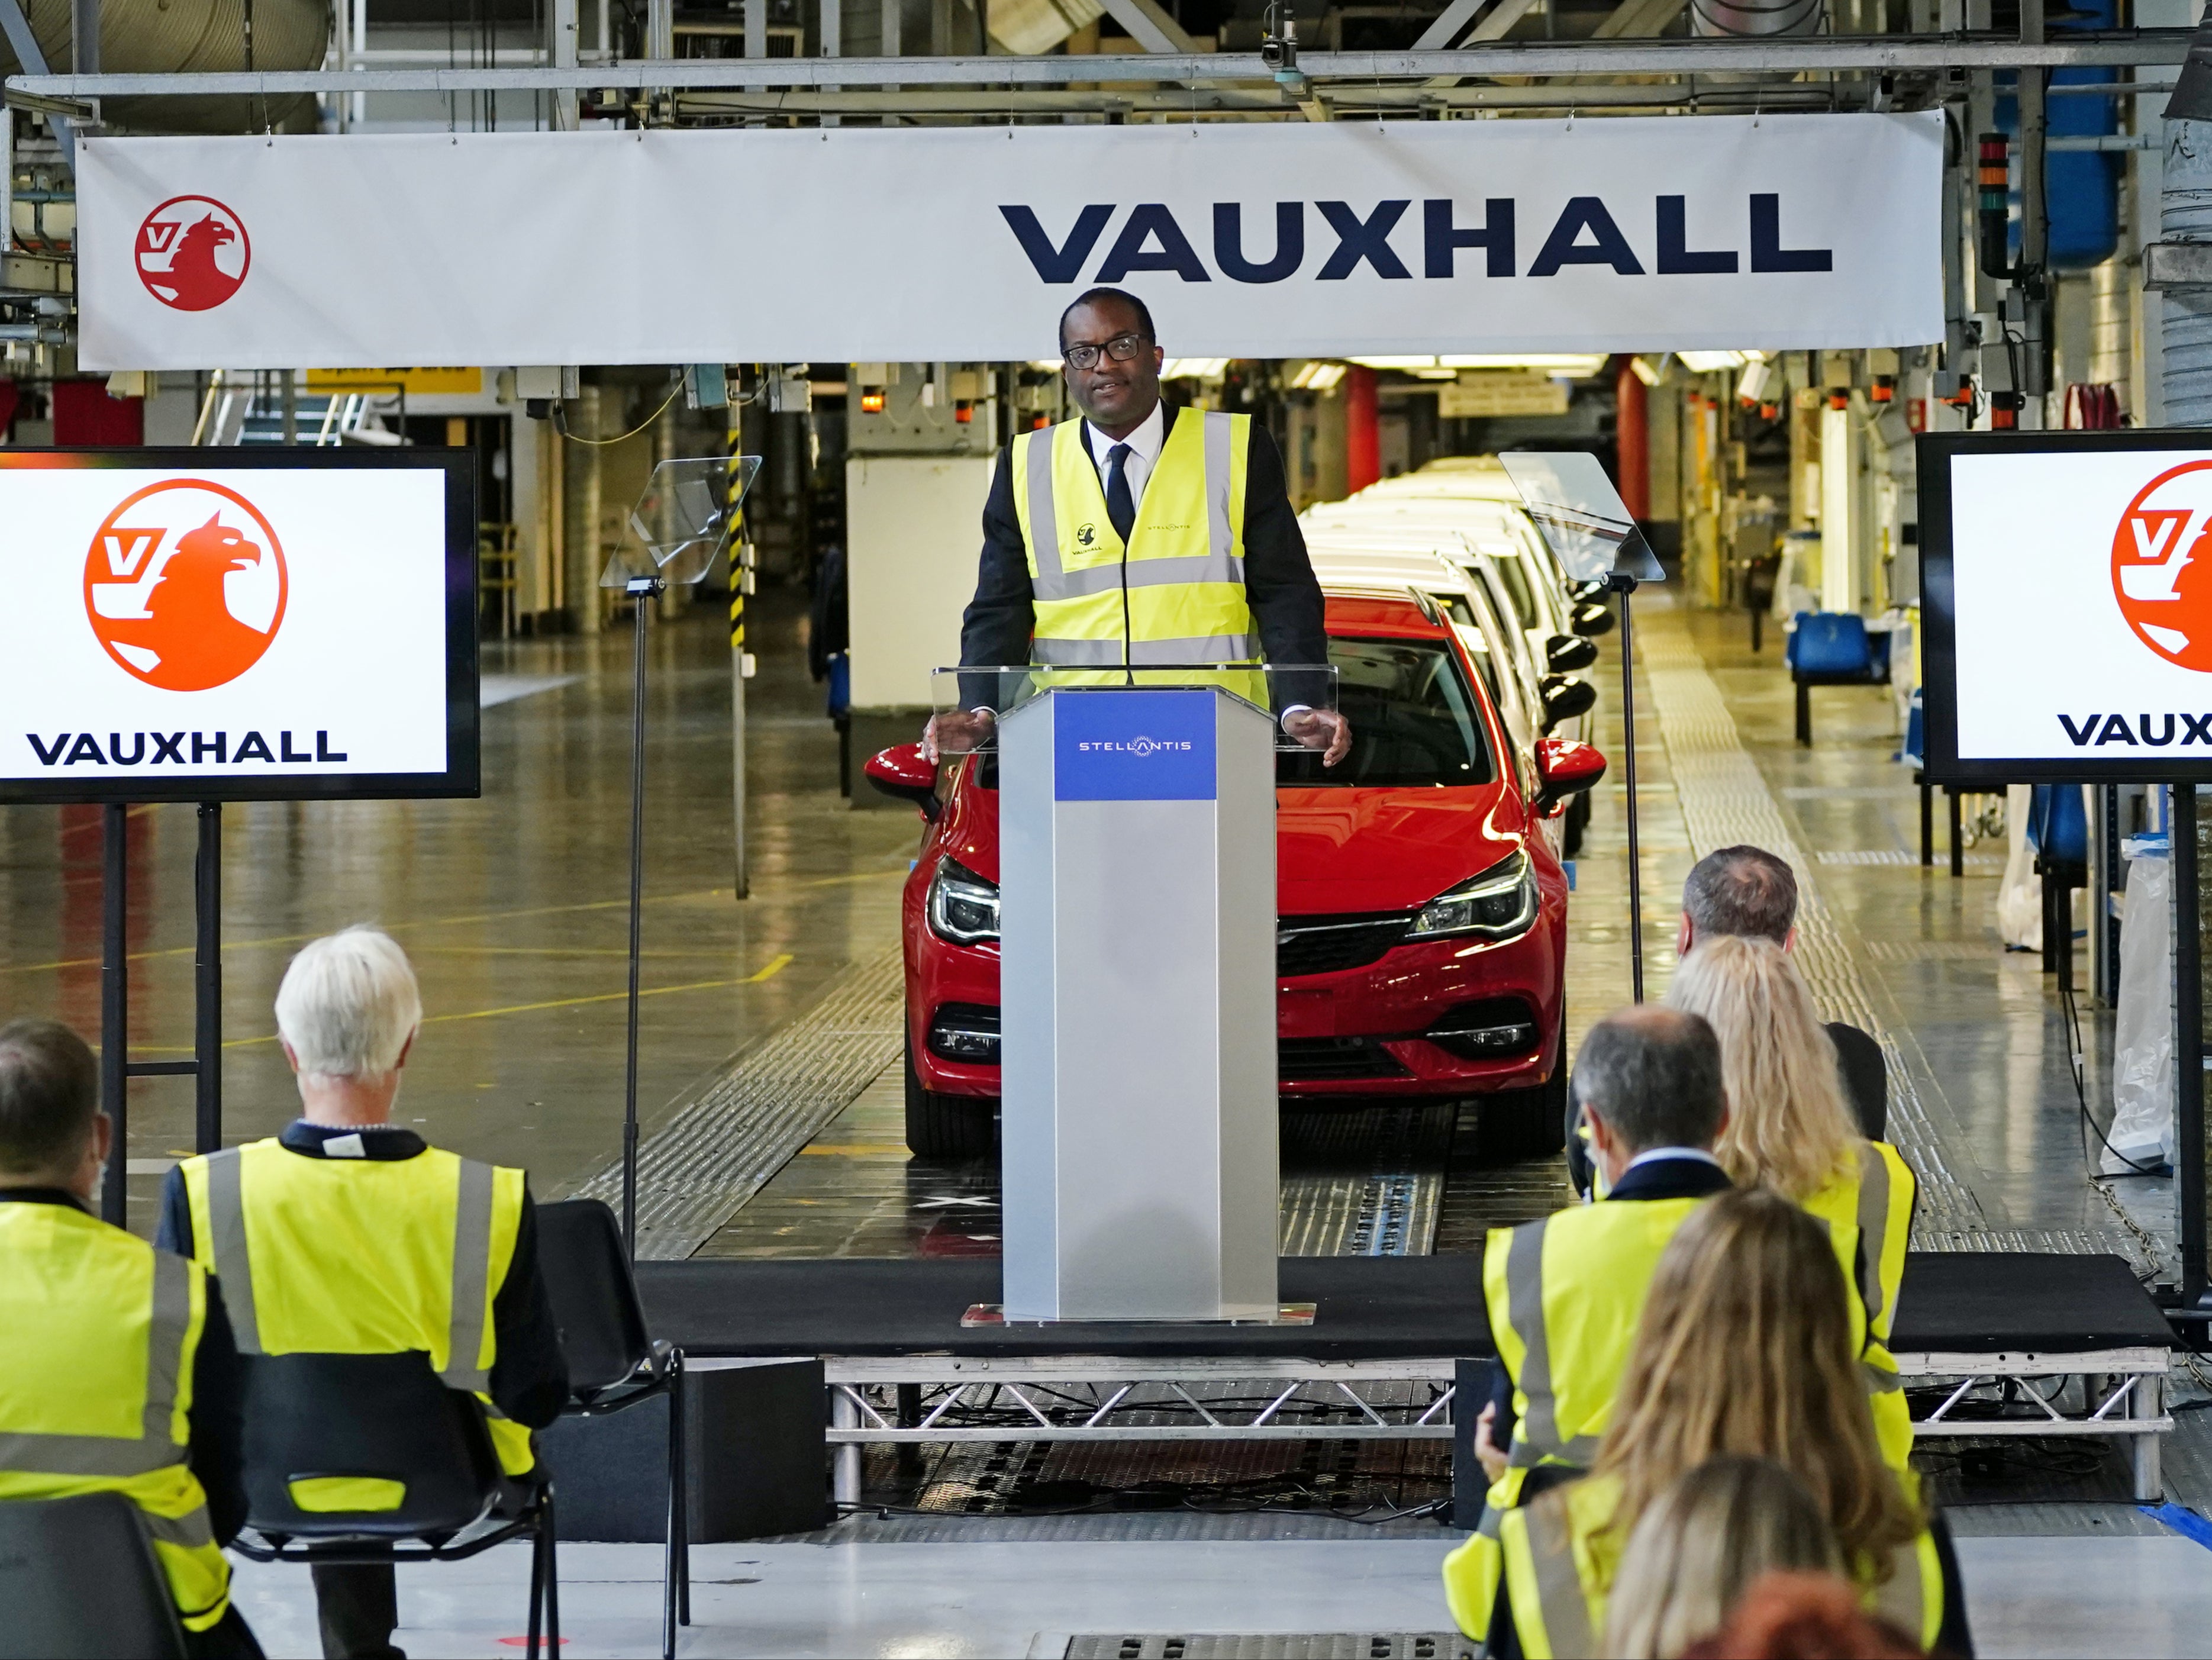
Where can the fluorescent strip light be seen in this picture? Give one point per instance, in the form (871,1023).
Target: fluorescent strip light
(1711,362)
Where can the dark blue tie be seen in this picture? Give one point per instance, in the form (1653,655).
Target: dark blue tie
(1121,510)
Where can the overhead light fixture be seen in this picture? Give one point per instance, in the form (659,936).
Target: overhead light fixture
(1436,375)
(1194,369)
(1575,364)
(1711,362)
(1650,370)
(1316,377)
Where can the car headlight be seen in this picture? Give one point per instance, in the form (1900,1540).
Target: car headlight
(1499,904)
(963,908)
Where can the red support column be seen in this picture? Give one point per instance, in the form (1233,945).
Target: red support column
(1362,438)
(1631,436)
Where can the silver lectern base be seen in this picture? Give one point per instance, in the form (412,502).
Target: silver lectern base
(1285,1314)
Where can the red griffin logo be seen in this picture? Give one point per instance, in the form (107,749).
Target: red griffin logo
(2162,565)
(193,253)
(179,598)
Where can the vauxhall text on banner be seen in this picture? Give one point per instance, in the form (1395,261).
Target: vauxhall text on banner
(1637,233)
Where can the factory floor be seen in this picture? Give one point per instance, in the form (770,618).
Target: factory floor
(770,1025)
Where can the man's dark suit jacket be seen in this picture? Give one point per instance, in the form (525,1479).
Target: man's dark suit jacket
(1662,1178)
(1279,579)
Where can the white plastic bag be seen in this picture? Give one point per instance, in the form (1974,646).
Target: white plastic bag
(2142,1031)
(2020,896)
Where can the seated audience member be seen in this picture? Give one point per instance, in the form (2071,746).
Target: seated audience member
(117,1373)
(1747,893)
(1747,1346)
(348,1235)
(1699,1546)
(1803,1617)
(1793,1134)
(1564,1293)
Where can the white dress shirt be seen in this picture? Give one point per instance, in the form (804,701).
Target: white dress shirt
(1145,445)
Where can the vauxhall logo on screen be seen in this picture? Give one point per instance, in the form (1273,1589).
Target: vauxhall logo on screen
(185,588)
(2162,583)
(1629,238)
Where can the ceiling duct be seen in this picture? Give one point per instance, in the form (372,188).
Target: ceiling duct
(1032,27)
(1754,18)
(166,37)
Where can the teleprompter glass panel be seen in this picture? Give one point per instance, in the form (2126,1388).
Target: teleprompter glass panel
(683,518)
(1581,516)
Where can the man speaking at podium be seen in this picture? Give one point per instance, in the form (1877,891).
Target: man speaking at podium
(1130,538)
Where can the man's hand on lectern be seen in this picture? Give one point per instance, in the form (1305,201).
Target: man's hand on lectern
(956,732)
(1322,729)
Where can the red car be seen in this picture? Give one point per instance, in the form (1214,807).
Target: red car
(1421,946)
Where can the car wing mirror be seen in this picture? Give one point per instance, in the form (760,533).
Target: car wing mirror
(1564,768)
(1566,653)
(1590,616)
(902,771)
(1566,697)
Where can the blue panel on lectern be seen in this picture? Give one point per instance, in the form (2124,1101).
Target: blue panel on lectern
(1134,746)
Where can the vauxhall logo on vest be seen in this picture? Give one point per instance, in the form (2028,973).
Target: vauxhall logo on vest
(185,589)
(1387,239)
(2162,583)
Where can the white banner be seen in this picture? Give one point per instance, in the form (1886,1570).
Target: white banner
(850,245)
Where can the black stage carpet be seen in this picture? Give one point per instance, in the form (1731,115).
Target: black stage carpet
(1371,1308)
(1984,1302)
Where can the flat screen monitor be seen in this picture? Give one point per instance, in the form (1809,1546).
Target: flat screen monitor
(2066,595)
(246,623)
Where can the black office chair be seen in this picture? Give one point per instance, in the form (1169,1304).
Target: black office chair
(614,1362)
(79,1580)
(316,1421)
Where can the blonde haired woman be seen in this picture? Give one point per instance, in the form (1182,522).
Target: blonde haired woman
(1699,1545)
(1746,1347)
(1790,1130)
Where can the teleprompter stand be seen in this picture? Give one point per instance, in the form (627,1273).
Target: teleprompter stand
(680,526)
(1596,541)
(116,1066)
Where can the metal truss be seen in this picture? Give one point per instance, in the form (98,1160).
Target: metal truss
(2122,1394)
(1792,55)
(1103,1398)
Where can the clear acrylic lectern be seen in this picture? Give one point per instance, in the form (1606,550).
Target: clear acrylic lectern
(1137,892)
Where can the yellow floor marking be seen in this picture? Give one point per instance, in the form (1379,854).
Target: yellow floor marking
(775,966)
(865,1150)
(392,927)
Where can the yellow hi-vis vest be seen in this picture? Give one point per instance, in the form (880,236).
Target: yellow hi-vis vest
(1175,593)
(1564,1295)
(1561,1557)
(363,1257)
(96,1384)
(1875,1196)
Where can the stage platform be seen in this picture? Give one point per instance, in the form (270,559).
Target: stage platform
(2024,1344)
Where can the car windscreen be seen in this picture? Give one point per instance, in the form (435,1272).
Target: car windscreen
(1414,721)
(1513,575)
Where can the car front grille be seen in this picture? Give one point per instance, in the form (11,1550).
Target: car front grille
(1329,944)
(1332,1060)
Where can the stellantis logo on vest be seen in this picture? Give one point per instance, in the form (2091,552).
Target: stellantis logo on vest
(1134,744)
(1588,232)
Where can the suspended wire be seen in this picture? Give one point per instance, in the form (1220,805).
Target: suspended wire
(561,423)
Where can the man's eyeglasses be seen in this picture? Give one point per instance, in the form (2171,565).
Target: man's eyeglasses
(1122,348)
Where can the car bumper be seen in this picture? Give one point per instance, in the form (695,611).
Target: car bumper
(1362,1032)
